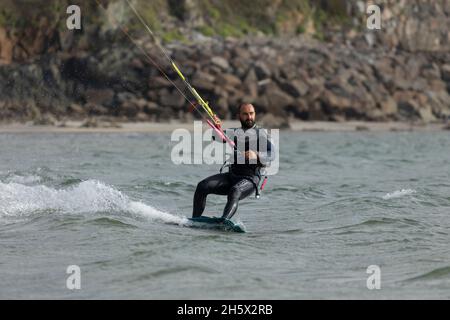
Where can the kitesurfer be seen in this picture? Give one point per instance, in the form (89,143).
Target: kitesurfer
(253,152)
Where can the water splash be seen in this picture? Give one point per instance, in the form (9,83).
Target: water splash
(89,196)
(398,194)
(31,179)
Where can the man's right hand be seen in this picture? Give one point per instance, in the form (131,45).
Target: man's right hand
(217,121)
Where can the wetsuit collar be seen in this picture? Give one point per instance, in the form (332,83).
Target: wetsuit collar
(249,128)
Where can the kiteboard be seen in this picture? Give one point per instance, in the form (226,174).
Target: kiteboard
(216,224)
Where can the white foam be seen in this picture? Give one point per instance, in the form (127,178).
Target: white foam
(24,179)
(398,194)
(155,214)
(88,196)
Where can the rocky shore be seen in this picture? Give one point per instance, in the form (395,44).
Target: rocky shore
(293,78)
(349,77)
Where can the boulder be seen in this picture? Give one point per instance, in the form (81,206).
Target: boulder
(228,80)
(296,88)
(151,108)
(445,71)
(171,99)
(76,109)
(158,83)
(251,84)
(316,112)
(388,106)
(95,109)
(46,119)
(270,121)
(220,62)
(6,47)
(203,81)
(103,97)
(334,101)
(262,70)
(125,96)
(299,109)
(129,109)
(278,100)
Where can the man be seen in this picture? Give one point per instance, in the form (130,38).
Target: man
(253,151)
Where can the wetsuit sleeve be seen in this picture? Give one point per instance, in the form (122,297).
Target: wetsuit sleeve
(265,154)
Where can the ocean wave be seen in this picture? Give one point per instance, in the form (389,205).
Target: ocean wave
(438,273)
(398,194)
(24,179)
(90,196)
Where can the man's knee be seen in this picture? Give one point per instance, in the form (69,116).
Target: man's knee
(202,186)
(235,193)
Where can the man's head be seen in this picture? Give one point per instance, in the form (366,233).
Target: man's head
(247,115)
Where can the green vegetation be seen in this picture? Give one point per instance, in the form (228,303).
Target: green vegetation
(210,17)
(173,35)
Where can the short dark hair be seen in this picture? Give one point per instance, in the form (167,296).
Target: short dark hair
(244,104)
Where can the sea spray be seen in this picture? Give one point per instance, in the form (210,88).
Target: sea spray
(86,197)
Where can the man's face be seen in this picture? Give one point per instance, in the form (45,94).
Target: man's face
(247,116)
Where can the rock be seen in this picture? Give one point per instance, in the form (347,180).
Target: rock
(171,99)
(240,53)
(95,109)
(299,109)
(228,80)
(334,101)
(158,83)
(251,84)
(125,96)
(262,70)
(295,88)
(388,106)
(261,104)
(6,47)
(203,81)
(445,71)
(222,107)
(278,100)
(437,85)
(431,72)
(220,62)
(426,114)
(76,109)
(151,108)
(103,97)
(362,128)
(89,123)
(269,121)
(412,109)
(141,116)
(45,120)
(316,112)
(241,67)
(129,108)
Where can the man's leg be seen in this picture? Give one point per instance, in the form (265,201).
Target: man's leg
(216,184)
(242,189)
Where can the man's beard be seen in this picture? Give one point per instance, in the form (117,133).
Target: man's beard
(247,124)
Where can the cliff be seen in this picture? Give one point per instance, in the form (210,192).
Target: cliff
(307,60)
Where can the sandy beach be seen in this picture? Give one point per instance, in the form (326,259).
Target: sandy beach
(127,127)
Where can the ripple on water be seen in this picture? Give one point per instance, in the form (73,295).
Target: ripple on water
(439,273)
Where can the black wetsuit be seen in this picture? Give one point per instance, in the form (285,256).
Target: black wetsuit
(243,177)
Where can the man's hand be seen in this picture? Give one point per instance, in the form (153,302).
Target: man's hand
(250,155)
(217,121)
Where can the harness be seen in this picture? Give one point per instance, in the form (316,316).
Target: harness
(261,173)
